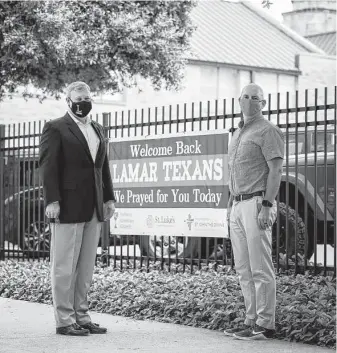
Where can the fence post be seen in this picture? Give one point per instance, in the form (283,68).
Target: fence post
(2,196)
(106,225)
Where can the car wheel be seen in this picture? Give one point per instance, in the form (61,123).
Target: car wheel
(223,250)
(36,235)
(170,247)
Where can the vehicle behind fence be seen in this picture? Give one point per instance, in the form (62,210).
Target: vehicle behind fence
(304,234)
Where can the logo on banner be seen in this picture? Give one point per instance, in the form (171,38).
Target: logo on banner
(160,221)
(189,221)
(150,221)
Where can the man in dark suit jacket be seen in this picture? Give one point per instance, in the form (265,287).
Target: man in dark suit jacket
(79,195)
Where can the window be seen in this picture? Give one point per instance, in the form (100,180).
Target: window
(311,143)
(311,28)
(319,144)
(292,144)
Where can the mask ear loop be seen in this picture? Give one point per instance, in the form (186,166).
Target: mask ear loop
(241,122)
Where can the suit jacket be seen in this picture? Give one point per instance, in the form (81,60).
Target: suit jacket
(70,175)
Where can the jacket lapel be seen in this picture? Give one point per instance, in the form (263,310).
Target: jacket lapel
(78,134)
(101,139)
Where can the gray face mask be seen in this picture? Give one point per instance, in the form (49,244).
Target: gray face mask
(250,107)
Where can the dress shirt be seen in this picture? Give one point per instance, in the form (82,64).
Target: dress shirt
(89,133)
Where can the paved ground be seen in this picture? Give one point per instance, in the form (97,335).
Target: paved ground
(28,327)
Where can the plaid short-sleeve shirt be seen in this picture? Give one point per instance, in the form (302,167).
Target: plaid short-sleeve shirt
(257,142)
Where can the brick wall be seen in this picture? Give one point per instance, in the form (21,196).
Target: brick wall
(310,22)
(202,82)
(318,71)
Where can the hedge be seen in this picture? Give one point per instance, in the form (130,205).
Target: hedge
(306,305)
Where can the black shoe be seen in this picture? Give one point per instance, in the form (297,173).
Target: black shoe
(232,331)
(94,328)
(256,333)
(72,330)
(78,327)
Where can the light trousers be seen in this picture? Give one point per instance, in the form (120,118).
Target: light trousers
(73,253)
(252,249)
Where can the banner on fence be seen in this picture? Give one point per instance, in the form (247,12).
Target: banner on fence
(174,185)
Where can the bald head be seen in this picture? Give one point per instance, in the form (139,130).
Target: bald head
(251,90)
(252,101)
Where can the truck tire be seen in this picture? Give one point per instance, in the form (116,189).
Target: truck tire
(285,210)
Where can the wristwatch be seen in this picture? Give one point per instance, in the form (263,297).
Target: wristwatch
(266,203)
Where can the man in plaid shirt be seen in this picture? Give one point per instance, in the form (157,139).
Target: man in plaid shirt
(255,169)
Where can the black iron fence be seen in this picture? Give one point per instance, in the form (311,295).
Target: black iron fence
(304,234)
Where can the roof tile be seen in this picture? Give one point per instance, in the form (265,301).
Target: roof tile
(325,41)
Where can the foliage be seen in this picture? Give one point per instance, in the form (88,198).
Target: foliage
(306,307)
(266,3)
(105,43)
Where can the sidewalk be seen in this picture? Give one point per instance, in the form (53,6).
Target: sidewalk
(29,328)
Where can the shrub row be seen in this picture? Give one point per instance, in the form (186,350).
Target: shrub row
(306,305)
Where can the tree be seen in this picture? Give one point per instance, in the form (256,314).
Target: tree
(105,43)
(266,3)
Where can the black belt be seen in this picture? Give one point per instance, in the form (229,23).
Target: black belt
(248,196)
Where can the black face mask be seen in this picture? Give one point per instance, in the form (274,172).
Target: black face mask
(81,109)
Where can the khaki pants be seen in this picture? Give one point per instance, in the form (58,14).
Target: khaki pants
(252,249)
(73,252)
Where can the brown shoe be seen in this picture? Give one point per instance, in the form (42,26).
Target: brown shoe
(72,330)
(94,328)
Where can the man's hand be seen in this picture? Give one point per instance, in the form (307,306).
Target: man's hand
(53,210)
(265,217)
(108,210)
(229,208)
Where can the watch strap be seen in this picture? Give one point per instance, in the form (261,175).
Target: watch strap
(266,203)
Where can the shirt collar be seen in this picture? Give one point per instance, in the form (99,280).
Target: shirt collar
(250,121)
(85,121)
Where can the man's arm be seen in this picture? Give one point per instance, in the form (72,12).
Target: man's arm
(230,201)
(50,144)
(274,178)
(273,151)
